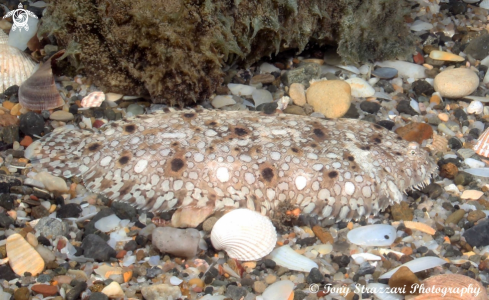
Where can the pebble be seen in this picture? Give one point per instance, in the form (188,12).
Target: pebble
(477,48)
(31,124)
(405,69)
(61,115)
(297,94)
(456,83)
(261,97)
(475,216)
(415,132)
(51,183)
(95,247)
(134,110)
(478,236)
(332,98)
(161,292)
(221,101)
(471,195)
(113,290)
(45,290)
(455,217)
(385,73)
(188,241)
(259,287)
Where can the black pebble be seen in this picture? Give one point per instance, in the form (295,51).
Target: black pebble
(13,90)
(98,296)
(315,276)
(70,210)
(342,260)
(31,124)
(404,106)
(6,201)
(74,109)
(75,292)
(268,108)
(454,143)
(95,247)
(460,114)
(421,87)
(370,107)
(386,124)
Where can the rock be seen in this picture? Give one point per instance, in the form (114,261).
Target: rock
(98,296)
(456,83)
(9,120)
(404,278)
(386,85)
(475,216)
(113,290)
(31,123)
(39,212)
(385,73)
(90,227)
(51,228)
(6,273)
(241,89)
(445,56)
(315,276)
(478,236)
(17,251)
(22,293)
(402,212)
(222,100)
(259,287)
(70,210)
(124,211)
(302,74)
(471,195)
(261,97)
(323,235)
(294,110)
(51,183)
(9,134)
(46,254)
(404,106)
(360,88)
(160,292)
(26,141)
(448,170)
(95,247)
(477,48)
(209,224)
(6,201)
(262,78)
(332,98)
(6,220)
(463,178)
(179,242)
(76,291)
(235,293)
(455,217)
(134,110)
(297,93)
(370,107)
(61,115)
(415,132)
(45,289)
(386,124)
(421,87)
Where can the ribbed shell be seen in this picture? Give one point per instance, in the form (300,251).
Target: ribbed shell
(39,92)
(482,146)
(15,65)
(22,256)
(244,234)
(439,143)
(93,99)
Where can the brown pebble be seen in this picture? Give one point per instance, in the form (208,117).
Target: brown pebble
(404,279)
(262,78)
(404,259)
(45,290)
(22,293)
(402,212)
(407,250)
(415,132)
(323,235)
(455,217)
(448,170)
(475,215)
(140,254)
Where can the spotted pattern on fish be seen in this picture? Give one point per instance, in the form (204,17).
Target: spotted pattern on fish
(216,160)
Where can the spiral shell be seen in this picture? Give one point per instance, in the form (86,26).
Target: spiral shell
(482,146)
(39,91)
(244,234)
(15,65)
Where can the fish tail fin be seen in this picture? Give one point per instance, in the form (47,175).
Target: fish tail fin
(60,152)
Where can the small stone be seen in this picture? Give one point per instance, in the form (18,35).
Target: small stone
(259,287)
(302,74)
(179,242)
(39,212)
(262,78)
(454,143)
(61,115)
(209,224)
(17,250)
(402,212)
(471,195)
(222,100)
(445,56)
(22,293)
(455,217)
(475,216)
(478,236)
(332,98)
(270,278)
(404,278)
(370,107)
(134,110)
(51,227)
(31,123)
(98,296)
(404,106)
(385,73)
(422,87)
(45,290)
(323,235)
(76,291)
(294,110)
(448,170)
(315,276)
(477,48)
(297,93)
(95,247)
(456,83)
(463,178)
(415,132)
(70,210)
(52,183)
(160,292)
(261,97)
(113,290)
(26,141)
(235,293)
(267,108)
(6,220)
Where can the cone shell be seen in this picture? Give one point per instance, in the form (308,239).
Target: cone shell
(244,234)
(472,289)
(22,256)
(39,92)
(93,99)
(15,65)
(482,146)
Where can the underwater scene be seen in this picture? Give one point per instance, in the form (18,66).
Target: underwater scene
(244,149)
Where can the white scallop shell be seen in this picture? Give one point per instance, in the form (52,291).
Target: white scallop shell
(372,235)
(244,234)
(15,65)
(286,257)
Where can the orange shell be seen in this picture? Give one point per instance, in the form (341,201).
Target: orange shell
(39,91)
(482,146)
(458,284)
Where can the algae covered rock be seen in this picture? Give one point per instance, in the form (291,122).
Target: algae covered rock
(174,51)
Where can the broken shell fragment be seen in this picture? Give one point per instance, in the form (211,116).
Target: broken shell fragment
(373,235)
(22,256)
(39,91)
(15,65)
(244,235)
(93,99)
(286,257)
(280,290)
(446,56)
